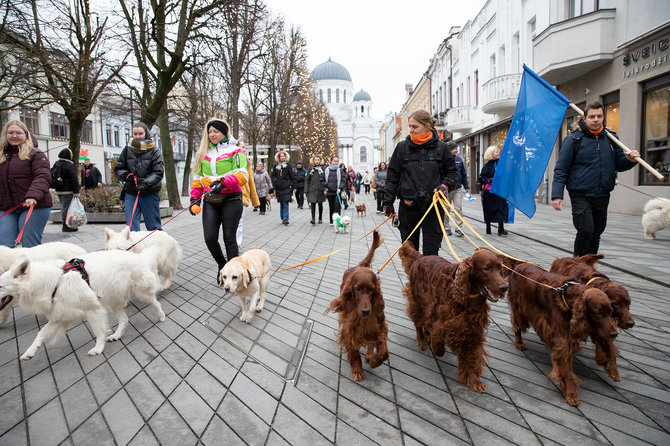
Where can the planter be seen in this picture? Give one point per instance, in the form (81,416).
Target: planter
(106,217)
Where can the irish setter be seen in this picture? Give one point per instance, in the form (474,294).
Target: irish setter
(561,318)
(448,303)
(582,270)
(361,315)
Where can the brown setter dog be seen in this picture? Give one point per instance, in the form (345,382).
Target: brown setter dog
(582,270)
(448,304)
(361,315)
(563,316)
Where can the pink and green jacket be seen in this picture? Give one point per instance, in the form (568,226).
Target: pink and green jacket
(226,163)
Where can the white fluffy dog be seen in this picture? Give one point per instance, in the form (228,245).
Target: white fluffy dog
(341,223)
(242,275)
(170,251)
(656,217)
(44,289)
(46,251)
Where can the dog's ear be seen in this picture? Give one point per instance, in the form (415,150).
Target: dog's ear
(460,289)
(108,234)
(20,268)
(579,325)
(335,305)
(591,259)
(126,233)
(246,278)
(377,297)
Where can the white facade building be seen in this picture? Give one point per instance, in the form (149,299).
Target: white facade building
(357,131)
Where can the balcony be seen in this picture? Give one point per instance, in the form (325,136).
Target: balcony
(569,49)
(459,120)
(500,94)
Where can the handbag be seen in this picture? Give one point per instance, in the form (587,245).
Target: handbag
(373,184)
(214,198)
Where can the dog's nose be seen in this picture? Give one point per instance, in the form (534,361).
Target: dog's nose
(365,311)
(630,323)
(227,288)
(503,288)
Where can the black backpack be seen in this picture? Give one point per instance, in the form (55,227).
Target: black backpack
(57,181)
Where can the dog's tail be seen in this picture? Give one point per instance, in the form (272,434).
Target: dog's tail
(657,203)
(408,255)
(376,243)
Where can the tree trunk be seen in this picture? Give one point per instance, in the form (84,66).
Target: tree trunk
(186,183)
(168,159)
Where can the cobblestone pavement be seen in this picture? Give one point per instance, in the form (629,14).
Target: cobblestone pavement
(204,377)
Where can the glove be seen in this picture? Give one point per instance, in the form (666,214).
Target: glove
(217,187)
(388,210)
(141,187)
(442,188)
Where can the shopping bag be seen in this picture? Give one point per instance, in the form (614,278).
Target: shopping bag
(76,214)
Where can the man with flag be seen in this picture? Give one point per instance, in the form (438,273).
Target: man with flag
(587,166)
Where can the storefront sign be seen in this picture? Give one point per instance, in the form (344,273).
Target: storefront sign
(646,58)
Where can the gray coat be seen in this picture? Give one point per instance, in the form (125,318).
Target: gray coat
(315,184)
(263,183)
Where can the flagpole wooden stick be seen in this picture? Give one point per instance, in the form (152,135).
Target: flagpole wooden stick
(623,147)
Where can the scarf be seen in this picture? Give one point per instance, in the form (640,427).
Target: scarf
(421,138)
(141,146)
(597,132)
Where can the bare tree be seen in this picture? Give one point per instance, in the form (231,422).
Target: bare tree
(65,43)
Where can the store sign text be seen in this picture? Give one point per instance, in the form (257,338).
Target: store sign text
(645,53)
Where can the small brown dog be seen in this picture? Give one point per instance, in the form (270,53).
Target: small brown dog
(361,210)
(361,315)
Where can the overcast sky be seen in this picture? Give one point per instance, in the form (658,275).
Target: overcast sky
(383,44)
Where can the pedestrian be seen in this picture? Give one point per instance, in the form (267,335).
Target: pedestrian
(67,187)
(315,187)
(345,195)
(220,172)
(420,166)
(359,182)
(495,208)
(380,182)
(25,177)
(283,183)
(249,196)
(455,196)
(351,179)
(90,175)
(366,181)
(140,166)
(299,176)
(336,182)
(263,186)
(587,166)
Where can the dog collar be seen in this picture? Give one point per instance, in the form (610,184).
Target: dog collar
(563,289)
(73,265)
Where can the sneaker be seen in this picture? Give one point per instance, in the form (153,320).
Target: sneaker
(458,233)
(448,231)
(320,221)
(255,209)
(312,222)
(285,222)
(68,229)
(503,232)
(261,213)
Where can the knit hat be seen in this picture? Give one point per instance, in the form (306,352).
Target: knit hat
(219,125)
(65,154)
(452,145)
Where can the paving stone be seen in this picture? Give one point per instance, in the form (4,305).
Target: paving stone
(142,351)
(179,359)
(348,435)
(79,403)
(47,425)
(144,393)
(162,374)
(220,369)
(124,365)
(122,417)
(602,417)
(310,411)
(219,432)
(371,402)
(144,438)
(157,338)
(479,435)
(191,407)
(363,421)
(426,432)
(430,412)
(296,430)
(39,390)
(559,433)
(9,375)
(248,425)
(253,396)
(208,388)
(169,428)
(104,383)
(267,380)
(17,436)
(500,425)
(12,410)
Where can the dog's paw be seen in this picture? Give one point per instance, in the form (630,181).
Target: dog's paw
(357,376)
(161,317)
(112,338)
(477,385)
(259,308)
(94,351)
(28,354)
(247,317)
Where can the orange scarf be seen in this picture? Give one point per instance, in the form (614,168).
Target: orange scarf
(421,138)
(597,132)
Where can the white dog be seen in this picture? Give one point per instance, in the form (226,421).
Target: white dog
(170,251)
(46,251)
(341,223)
(246,276)
(656,217)
(45,289)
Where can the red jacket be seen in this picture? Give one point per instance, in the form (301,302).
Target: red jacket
(22,179)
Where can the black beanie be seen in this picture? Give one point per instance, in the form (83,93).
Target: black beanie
(65,154)
(219,125)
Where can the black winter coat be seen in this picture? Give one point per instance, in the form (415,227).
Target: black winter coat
(69,175)
(299,177)
(145,165)
(90,177)
(495,207)
(282,181)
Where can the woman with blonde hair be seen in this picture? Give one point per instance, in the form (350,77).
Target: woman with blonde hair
(221,179)
(494,206)
(25,177)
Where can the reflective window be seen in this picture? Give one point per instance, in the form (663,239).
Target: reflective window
(656,129)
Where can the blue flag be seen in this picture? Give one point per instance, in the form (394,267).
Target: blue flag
(537,119)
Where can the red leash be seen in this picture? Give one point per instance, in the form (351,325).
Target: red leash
(169,220)
(30,211)
(137,197)
(13,209)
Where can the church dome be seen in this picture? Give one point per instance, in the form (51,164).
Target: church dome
(362,96)
(330,70)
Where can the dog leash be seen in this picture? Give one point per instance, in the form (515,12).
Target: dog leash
(639,191)
(168,221)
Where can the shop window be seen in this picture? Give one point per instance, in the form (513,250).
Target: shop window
(87,131)
(571,121)
(612,109)
(30,119)
(497,138)
(656,129)
(364,154)
(60,126)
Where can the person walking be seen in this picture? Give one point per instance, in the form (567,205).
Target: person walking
(90,175)
(366,182)
(220,173)
(299,176)
(380,181)
(587,166)
(315,188)
(359,182)
(263,186)
(25,177)
(455,196)
(336,182)
(495,208)
(420,166)
(140,166)
(282,182)
(345,195)
(249,196)
(67,185)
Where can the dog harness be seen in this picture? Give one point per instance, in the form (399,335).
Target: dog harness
(563,290)
(338,222)
(73,265)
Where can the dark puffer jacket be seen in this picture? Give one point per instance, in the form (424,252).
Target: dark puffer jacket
(69,176)
(592,169)
(282,181)
(299,177)
(145,164)
(22,179)
(416,170)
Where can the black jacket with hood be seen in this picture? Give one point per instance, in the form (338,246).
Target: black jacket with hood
(145,161)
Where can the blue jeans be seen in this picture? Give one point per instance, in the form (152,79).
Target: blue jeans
(11,224)
(149,206)
(283,210)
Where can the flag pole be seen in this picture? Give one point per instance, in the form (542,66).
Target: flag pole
(623,147)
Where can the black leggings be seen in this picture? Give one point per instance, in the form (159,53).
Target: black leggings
(264,203)
(314,205)
(215,216)
(333,206)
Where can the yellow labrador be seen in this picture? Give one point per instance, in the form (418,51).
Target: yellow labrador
(246,276)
